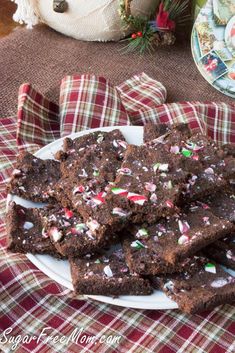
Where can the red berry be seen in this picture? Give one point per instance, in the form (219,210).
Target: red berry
(140,34)
(134,36)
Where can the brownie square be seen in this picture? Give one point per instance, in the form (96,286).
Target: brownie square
(106,275)
(149,183)
(71,235)
(209,167)
(161,247)
(25,231)
(202,285)
(34,179)
(222,251)
(99,143)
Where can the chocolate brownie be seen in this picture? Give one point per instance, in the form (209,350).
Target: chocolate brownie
(222,251)
(222,204)
(24,229)
(106,275)
(99,143)
(71,235)
(200,286)
(34,178)
(161,133)
(148,184)
(159,248)
(209,167)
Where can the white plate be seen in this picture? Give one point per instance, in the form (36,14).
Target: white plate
(230,40)
(59,271)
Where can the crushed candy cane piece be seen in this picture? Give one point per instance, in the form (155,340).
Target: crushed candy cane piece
(186,153)
(93,225)
(153,198)
(122,143)
(81,227)
(230,255)
(55,234)
(137,199)
(124,171)
(184,239)
(209,267)
(28,225)
(100,138)
(119,191)
(16,172)
(220,282)
(183,227)
(168,185)
(119,212)
(78,190)
(108,271)
(142,233)
(44,233)
(99,198)
(163,167)
(209,171)
(175,149)
(97,261)
(169,204)
(193,146)
(96,173)
(150,187)
(206,221)
(68,213)
(138,245)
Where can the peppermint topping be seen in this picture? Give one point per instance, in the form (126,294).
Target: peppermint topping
(119,212)
(209,171)
(108,272)
(100,138)
(175,149)
(230,255)
(206,221)
(28,225)
(68,213)
(81,227)
(97,261)
(169,204)
(119,191)
(78,190)
(124,171)
(220,282)
(55,234)
(96,173)
(169,286)
(163,167)
(44,233)
(137,199)
(150,187)
(84,174)
(186,153)
(184,239)
(183,227)
(93,225)
(16,172)
(193,146)
(138,245)
(209,267)
(99,198)
(142,233)
(153,198)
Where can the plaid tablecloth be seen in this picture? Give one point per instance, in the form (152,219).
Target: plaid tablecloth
(37,314)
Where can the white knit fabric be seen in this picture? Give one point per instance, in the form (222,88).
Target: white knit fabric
(91,20)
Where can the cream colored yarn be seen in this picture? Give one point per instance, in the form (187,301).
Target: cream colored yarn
(90,20)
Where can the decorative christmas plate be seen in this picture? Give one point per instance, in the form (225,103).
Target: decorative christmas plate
(213,44)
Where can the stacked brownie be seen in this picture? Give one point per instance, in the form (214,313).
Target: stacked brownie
(133,218)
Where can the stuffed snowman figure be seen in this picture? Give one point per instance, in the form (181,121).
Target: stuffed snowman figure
(90,20)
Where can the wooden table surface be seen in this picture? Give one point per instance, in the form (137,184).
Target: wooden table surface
(7,25)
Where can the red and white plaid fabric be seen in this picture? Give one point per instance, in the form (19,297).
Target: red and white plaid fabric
(29,300)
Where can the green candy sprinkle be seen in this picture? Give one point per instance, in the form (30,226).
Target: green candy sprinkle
(209,267)
(142,233)
(81,226)
(186,153)
(96,173)
(137,245)
(97,261)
